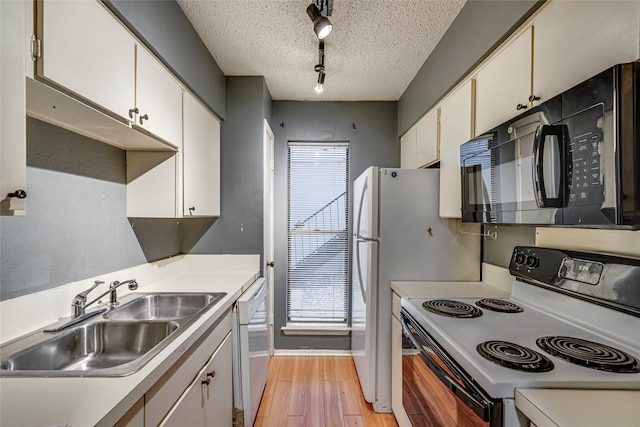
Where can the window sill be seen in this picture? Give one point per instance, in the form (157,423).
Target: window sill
(316,330)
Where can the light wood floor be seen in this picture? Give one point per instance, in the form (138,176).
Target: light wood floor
(316,392)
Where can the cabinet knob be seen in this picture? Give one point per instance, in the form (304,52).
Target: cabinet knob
(145,117)
(133,111)
(192,210)
(211,374)
(520,107)
(534,98)
(20,194)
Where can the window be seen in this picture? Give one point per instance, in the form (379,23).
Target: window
(317,271)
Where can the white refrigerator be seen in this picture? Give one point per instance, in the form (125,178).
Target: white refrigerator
(397,235)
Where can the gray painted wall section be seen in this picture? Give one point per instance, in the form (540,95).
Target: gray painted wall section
(372,142)
(76,225)
(240,226)
(165,29)
(480,26)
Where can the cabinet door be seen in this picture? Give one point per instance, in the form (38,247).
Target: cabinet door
(408,147)
(201,160)
(576,40)
(427,150)
(396,373)
(455,129)
(158,98)
(218,398)
(88,52)
(503,84)
(208,401)
(13,139)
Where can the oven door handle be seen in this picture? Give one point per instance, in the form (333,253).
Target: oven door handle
(477,405)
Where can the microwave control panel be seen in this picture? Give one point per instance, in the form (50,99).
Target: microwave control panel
(584,172)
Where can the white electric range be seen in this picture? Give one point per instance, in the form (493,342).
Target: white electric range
(572,321)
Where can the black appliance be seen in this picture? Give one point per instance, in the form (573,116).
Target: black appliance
(573,160)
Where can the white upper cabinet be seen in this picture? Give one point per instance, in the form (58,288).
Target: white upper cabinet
(158,99)
(575,40)
(503,85)
(13,138)
(201,160)
(88,52)
(456,113)
(408,150)
(427,150)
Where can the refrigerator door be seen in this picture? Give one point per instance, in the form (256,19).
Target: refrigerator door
(415,245)
(364,279)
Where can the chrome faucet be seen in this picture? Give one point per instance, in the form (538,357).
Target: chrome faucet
(79,303)
(133,285)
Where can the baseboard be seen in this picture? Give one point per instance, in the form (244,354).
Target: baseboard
(311,352)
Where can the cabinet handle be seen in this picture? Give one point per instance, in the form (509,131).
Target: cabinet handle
(520,107)
(20,194)
(534,98)
(207,381)
(192,210)
(133,111)
(145,117)
(211,374)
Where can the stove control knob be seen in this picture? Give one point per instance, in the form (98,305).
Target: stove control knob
(519,259)
(532,261)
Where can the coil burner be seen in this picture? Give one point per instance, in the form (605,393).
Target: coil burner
(451,308)
(499,305)
(590,354)
(514,356)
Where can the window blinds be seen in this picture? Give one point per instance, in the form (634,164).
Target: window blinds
(317,269)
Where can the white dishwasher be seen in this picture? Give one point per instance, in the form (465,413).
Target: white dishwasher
(250,351)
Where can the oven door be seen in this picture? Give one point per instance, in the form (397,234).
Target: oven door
(518,181)
(435,391)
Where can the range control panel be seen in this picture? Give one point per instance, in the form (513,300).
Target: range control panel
(605,279)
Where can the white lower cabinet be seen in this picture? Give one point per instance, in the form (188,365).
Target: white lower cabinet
(180,398)
(208,401)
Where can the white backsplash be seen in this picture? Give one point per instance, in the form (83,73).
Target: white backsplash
(22,315)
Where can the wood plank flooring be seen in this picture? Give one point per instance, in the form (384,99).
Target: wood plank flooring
(323,391)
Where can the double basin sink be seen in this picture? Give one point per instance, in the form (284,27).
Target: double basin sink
(118,343)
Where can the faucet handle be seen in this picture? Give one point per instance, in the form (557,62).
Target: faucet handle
(78,304)
(83,295)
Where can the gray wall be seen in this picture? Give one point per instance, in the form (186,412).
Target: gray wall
(164,28)
(372,142)
(480,26)
(240,226)
(76,224)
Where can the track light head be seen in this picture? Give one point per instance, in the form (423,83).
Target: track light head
(321,24)
(320,85)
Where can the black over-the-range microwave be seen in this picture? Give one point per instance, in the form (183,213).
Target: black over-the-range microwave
(573,160)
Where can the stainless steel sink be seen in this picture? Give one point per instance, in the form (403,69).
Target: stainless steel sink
(120,344)
(163,306)
(91,347)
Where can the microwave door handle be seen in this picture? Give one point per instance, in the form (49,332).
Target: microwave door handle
(560,132)
(478,406)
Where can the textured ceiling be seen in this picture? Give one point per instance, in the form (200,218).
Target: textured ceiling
(373,52)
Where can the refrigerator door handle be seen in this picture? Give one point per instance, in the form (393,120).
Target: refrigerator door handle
(359,268)
(367,239)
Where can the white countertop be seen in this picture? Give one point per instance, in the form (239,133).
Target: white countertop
(446,289)
(580,408)
(103,401)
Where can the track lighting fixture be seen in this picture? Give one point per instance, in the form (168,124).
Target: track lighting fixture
(321,24)
(319,68)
